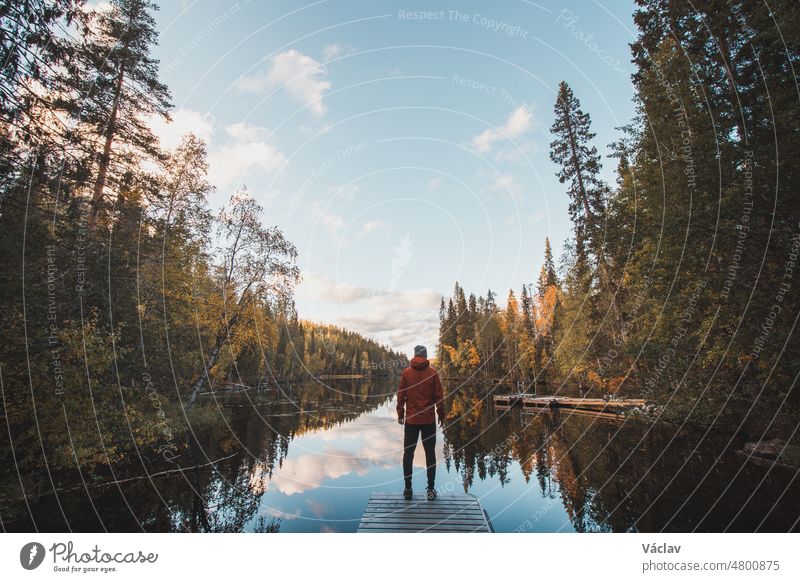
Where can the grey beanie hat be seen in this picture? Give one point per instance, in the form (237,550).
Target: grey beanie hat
(420,351)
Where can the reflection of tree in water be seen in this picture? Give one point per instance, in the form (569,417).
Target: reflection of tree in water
(612,476)
(259,429)
(474,442)
(240,440)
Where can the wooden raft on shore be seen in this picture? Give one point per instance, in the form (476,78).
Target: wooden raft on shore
(391,513)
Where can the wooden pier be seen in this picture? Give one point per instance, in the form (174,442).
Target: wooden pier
(391,513)
(598,405)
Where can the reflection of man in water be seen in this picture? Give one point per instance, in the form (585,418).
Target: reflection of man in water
(419,395)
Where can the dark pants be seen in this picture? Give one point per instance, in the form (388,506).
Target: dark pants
(412,432)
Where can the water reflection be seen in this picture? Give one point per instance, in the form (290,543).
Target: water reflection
(614,475)
(307,460)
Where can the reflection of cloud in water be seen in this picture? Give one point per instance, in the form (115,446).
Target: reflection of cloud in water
(306,472)
(381,446)
(277,513)
(317,508)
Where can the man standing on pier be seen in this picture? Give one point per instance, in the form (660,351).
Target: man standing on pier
(419,402)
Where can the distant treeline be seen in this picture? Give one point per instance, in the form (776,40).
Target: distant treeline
(308,349)
(680,281)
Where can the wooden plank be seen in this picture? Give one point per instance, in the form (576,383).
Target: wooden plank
(431,511)
(412,531)
(462,512)
(419,503)
(422,519)
(419,498)
(426,505)
(450,527)
(440,509)
(508,399)
(422,522)
(391,512)
(446,496)
(597,404)
(419,524)
(417,527)
(426,518)
(381,511)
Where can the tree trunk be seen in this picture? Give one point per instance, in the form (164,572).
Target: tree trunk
(105,157)
(222,335)
(574,148)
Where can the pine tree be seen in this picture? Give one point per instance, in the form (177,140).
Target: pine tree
(528,346)
(489,337)
(117,91)
(441,352)
(579,165)
(463,325)
(511,337)
(472,314)
(32,54)
(547,275)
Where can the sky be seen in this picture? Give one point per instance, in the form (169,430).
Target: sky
(402,146)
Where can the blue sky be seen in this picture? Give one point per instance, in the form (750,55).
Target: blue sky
(400,145)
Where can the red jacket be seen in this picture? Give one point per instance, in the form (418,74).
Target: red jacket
(419,393)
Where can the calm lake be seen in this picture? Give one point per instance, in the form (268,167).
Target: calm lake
(306,461)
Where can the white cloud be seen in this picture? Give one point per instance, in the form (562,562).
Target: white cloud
(318,508)
(520,154)
(399,318)
(247,132)
(401,256)
(536,216)
(332,51)
(319,287)
(304,78)
(274,511)
(234,162)
(183,121)
(314,129)
(329,219)
(507,185)
(345,191)
(518,123)
(246,153)
(372,226)
(399,327)
(98,7)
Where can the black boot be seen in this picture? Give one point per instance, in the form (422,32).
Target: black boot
(431,492)
(408,493)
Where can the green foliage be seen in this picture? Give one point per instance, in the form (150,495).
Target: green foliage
(678,284)
(113,328)
(512,345)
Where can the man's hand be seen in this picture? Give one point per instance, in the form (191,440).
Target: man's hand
(441,422)
(400,420)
